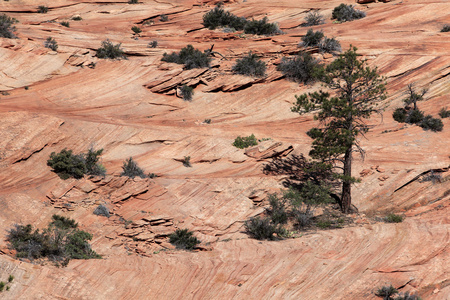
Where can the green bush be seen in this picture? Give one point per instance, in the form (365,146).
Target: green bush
(2,286)
(187,162)
(414,116)
(314,18)
(132,1)
(77,18)
(312,38)
(400,115)
(136,29)
(261,229)
(186,92)
(42,9)
(67,165)
(163,18)
(183,239)
(218,17)
(277,211)
(387,292)
(131,169)
(109,50)
(7,26)
(329,45)
(250,65)
(65,24)
(393,218)
(433,124)
(245,142)
(189,57)
(345,13)
(302,68)
(153,44)
(261,27)
(445,28)
(51,43)
(59,242)
(444,113)
(10,278)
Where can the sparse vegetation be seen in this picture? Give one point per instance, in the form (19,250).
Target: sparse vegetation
(77,18)
(187,162)
(186,92)
(393,218)
(164,18)
(433,177)
(136,29)
(131,169)
(262,229)
(133,2)
(430,123)
(261,27)
(67,165)
(59,242)
(42,9)
(10,278)
(314,18)
(183,239)
(2,286)
(312,38)
(207,121)
(250,65)
(245,142)
(302,68)
(153,44)
(7,27)
(345,13)
(102,210)
(51,44)
(445,28)
(109,50)
(388,292)
(65,24)
(189,57)
(329,45)
(444,113)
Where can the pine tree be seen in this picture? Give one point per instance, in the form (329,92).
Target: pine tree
(356,92)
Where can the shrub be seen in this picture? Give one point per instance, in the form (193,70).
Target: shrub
(60,242)
(133,2)
(302,68)
(261,27)
(345,13)
(10,278)
(131,169)
(445,28)
(67,165)
(433,177)
(433,124)
(250,65)
(312,38)
(393,218)
(51,43)
(329,45)
(414,116)
(207,121)
(77,18)
(444,113)
(186,92)
(190,57)
(218,17)
(109,50)
(136,29)
(6,26)
(65,23)
(277,211)
(91,160)
(183,239)
(163,18)
(153,44)
(2,286)
(261,229)
(42,9)
(400,115)
(386,292)
(187,162)
(102,210)
(314,18)
(245,142)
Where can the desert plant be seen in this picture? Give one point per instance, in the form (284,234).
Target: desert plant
(312,38)
(400,115)
(7,26)
(62,222)
(261,27)
(386,292)
(131,169)
(91,160)
(445,28)
(183,239)
(444,113)
(245,142)
(302,68)
(190,57)
(261,229)
(329,45)
(186,92)
(2,286)
(42,9)
(207,121)
(65,23)
(414,117)
(313,18)
(67,165)
(77,18)
(250,65)
(153,44)
(102,210)
(109,50)
(10,278)
(51,44)
(136,29)
(345,13)
(163,18)
(218,17)
(277,210)
(132,1)
(433,177)
(430,123)
(393,218)
(187,162)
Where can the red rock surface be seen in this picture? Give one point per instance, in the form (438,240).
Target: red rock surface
(130,109)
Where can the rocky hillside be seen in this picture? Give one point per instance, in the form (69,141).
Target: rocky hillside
(69,98)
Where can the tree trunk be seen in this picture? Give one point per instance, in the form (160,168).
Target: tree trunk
(347,184)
